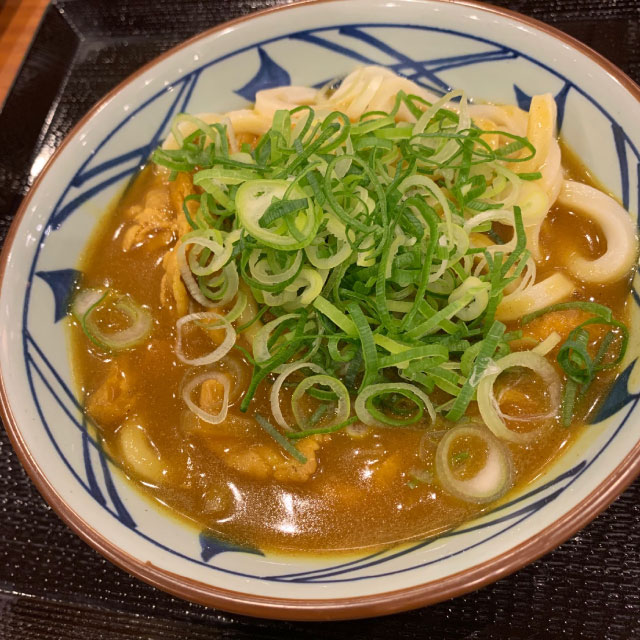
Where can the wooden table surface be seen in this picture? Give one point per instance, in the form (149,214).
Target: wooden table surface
(19,20)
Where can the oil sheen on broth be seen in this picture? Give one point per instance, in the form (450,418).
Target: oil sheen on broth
(360,488)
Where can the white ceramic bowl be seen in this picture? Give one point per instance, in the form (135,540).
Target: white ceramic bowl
(493,54)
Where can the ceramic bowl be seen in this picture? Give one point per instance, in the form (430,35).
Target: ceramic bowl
(496,56)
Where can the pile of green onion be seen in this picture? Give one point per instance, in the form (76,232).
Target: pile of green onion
(355,239)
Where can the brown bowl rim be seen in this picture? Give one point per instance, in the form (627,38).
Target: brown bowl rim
(331,608)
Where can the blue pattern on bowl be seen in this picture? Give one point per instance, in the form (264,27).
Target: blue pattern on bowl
(269,75)
(62,283)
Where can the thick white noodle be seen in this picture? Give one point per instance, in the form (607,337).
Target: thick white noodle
(373,88)
(534,203)
(548,344)
(556,288)
(541,131)
(616,225)
(552,173)
(268,101)
(506,117)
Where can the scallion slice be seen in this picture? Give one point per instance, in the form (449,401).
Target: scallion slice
(88,303)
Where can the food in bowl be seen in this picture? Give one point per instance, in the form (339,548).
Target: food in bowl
(351,317)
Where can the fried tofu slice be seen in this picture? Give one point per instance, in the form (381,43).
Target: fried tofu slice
(110,403)
(234,443)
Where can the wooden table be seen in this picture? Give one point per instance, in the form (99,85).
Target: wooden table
(19,20)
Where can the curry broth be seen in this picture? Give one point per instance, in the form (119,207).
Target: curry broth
(363,492)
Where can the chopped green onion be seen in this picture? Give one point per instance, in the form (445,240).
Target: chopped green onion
(355,239)
(88,302)
(280,439)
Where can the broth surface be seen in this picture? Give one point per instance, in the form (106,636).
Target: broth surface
(363,492)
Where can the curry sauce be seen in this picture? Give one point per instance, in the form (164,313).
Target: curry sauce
(361,488)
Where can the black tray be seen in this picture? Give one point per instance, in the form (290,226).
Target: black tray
(54,586)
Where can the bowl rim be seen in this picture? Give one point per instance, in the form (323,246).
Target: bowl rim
(331,608)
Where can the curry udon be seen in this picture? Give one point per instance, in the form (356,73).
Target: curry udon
(347,318)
